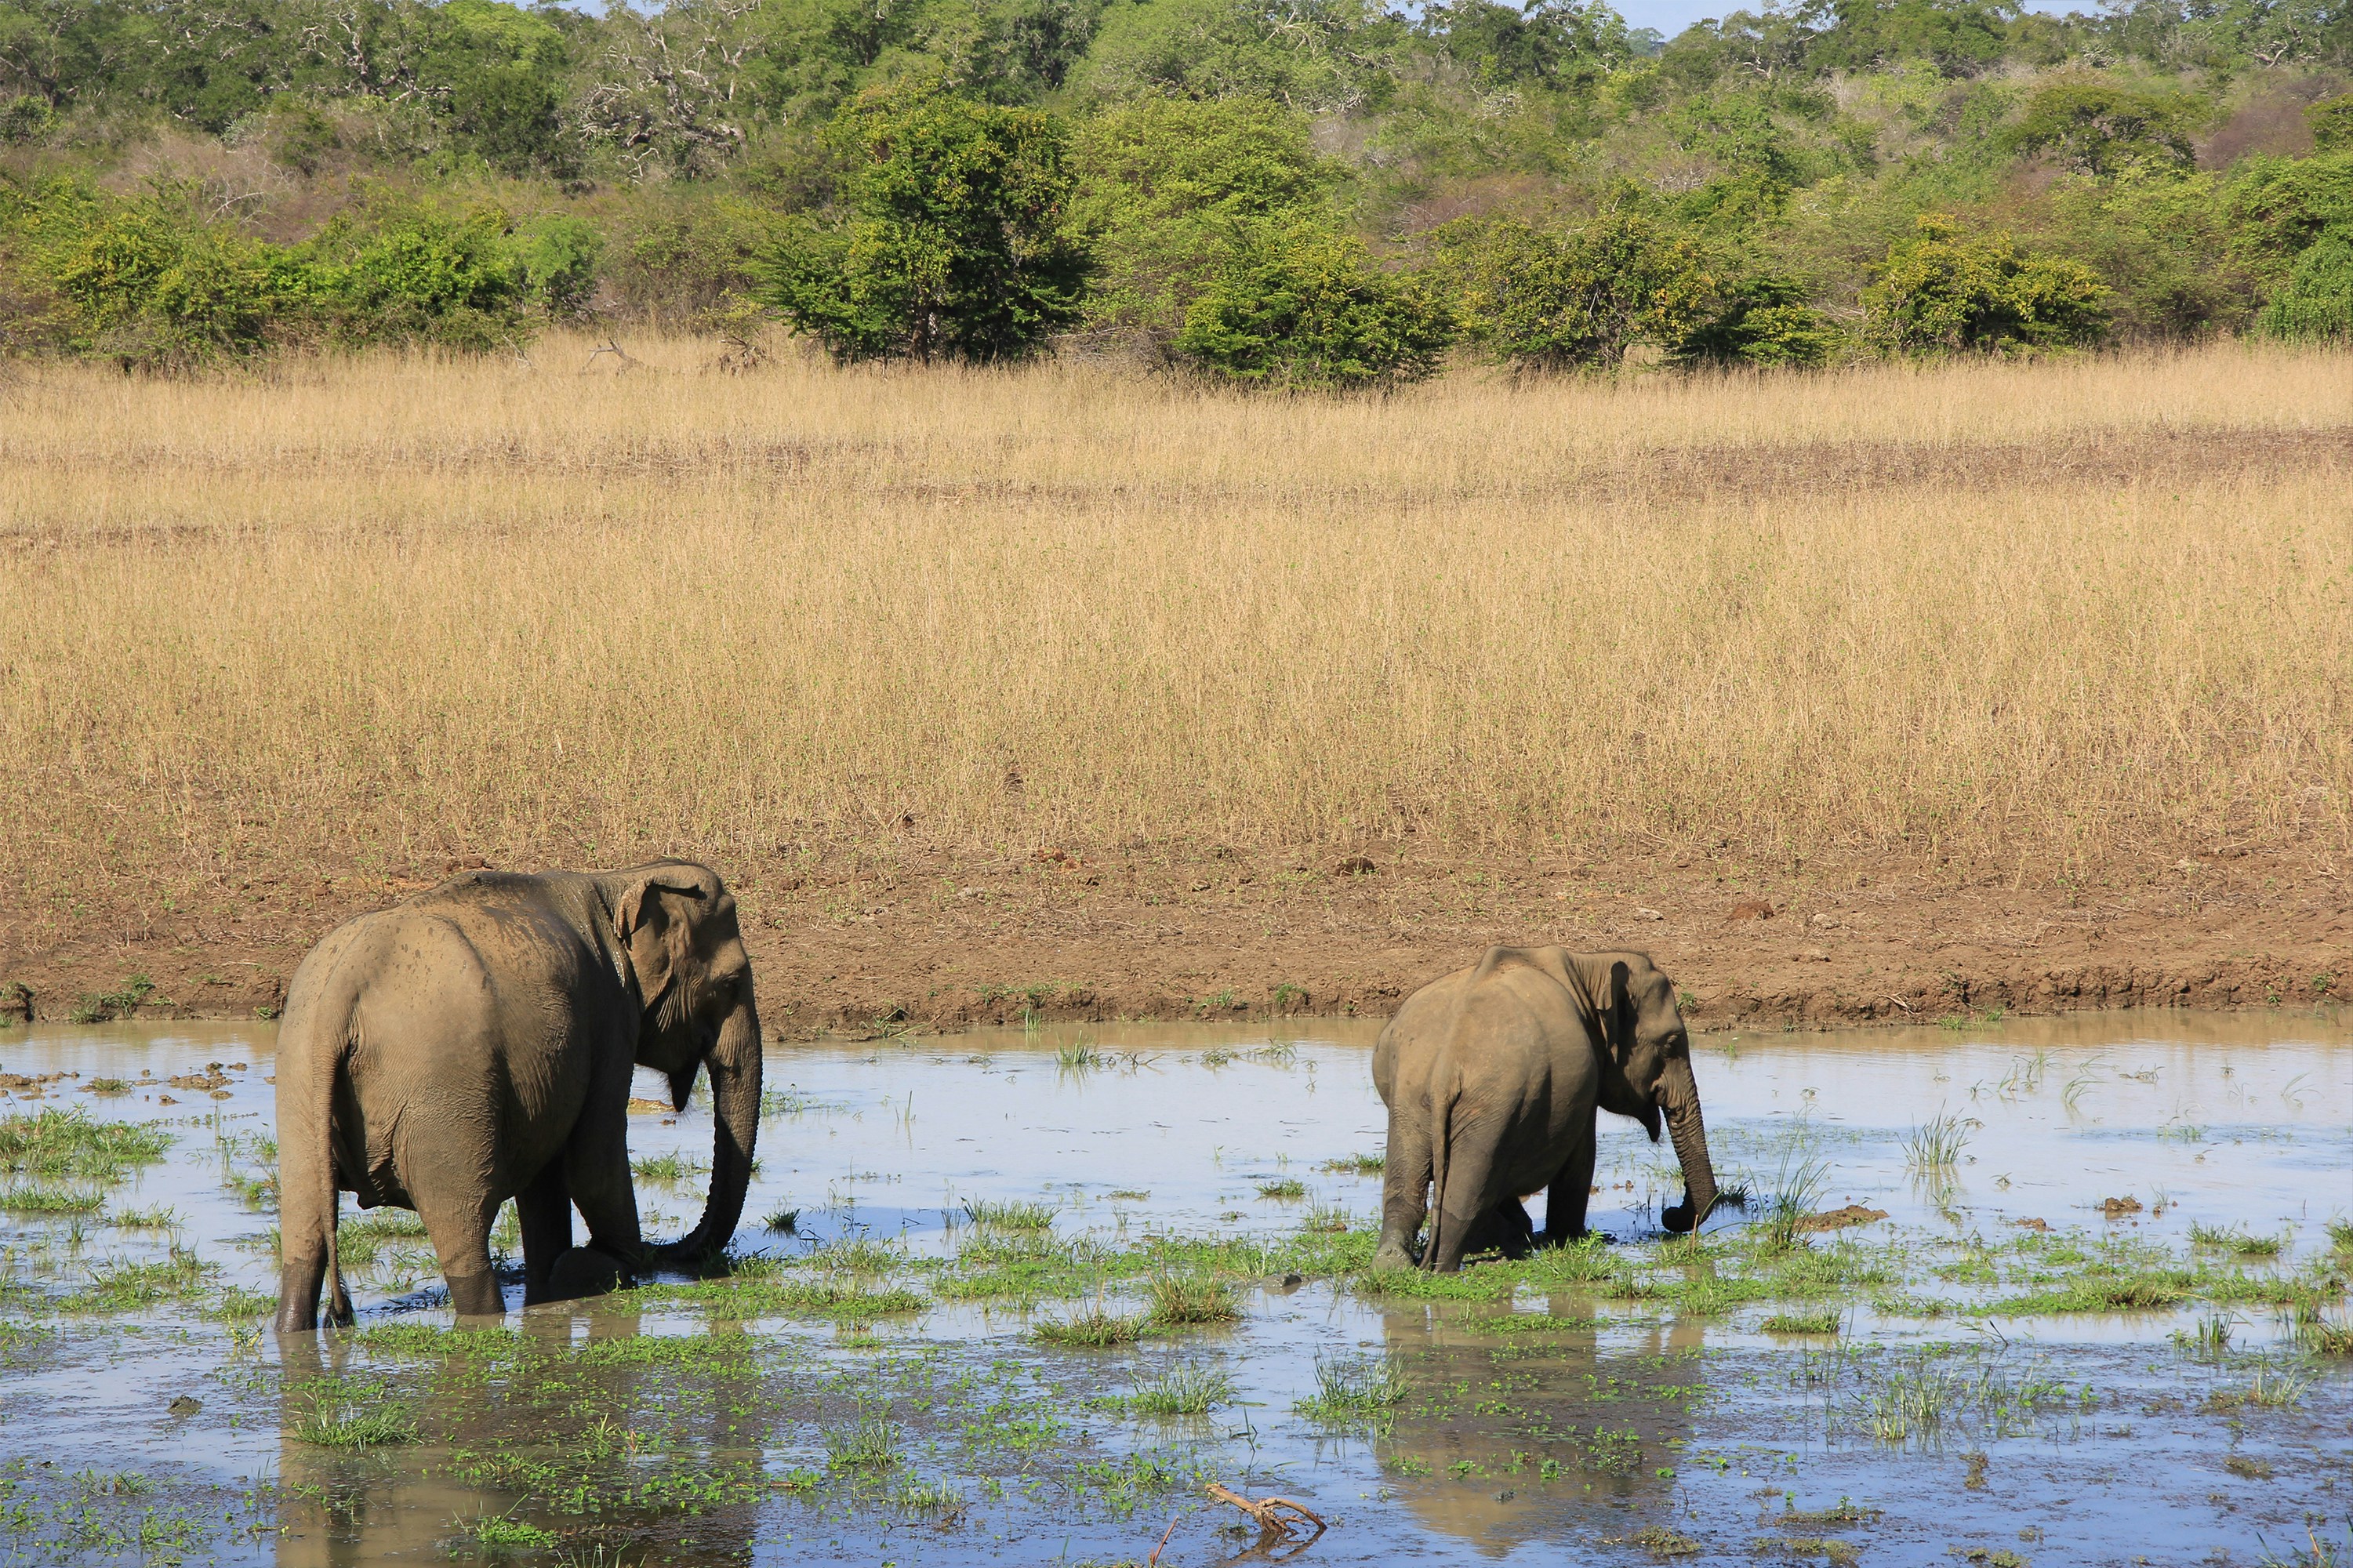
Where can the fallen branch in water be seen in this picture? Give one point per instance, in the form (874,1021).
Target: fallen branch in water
(1278,1517)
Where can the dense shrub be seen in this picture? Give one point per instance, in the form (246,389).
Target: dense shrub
(422,277)
(2317,301)
(2100,128)
(1165,188)
(1766,321)
(1940,291)
(1575,298)
(1298,305)
(954,243)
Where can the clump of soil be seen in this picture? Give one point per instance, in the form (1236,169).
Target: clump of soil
(1839,1219)
(2116,1208)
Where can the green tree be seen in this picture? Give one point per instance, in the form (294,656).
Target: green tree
(1167,185)
(2332,124)
(1554,42)
(1941,291)
(956,241)
(1574,299)
(1297,305)
(1765,320)
(2317,301)
(2100,128)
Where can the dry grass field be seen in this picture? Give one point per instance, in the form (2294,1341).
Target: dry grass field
(324,630)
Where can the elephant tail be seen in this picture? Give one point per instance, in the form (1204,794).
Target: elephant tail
(1445,1088)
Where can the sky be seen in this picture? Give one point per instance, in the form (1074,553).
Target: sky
(1672,16)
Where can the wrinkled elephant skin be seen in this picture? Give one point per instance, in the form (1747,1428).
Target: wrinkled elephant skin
(1493,1075)
(477,1044)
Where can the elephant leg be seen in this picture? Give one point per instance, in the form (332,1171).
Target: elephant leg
(597,1166)
(544,1207)
(1469,1178)
(1504,1227)
(302,1269)
(1405,1187)
(459,1224)
(1571,1189)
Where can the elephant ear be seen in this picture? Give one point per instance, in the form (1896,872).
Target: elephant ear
(1615,1008)
(655,929)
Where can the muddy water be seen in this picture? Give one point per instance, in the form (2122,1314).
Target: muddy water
(1969,1404)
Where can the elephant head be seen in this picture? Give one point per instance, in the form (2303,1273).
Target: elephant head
(1650,1051)
(676,922)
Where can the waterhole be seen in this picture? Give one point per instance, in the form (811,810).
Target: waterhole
(2001,1292)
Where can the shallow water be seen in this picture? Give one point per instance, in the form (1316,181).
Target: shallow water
(1539,1413)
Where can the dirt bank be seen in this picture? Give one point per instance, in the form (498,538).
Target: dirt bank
(854,938)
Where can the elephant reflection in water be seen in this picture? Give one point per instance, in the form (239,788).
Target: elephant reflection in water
(1508,1494)
(340,1508)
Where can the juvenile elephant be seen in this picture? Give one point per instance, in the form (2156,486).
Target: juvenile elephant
(1492,1076)
(477,1044)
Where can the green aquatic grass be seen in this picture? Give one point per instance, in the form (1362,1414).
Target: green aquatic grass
(50,1198)
(1353,1392)
(764,1288)
(867,1443)
(1192,1299)
(1287,1189)
(1355,1165)
(666,1168)
(1824,1320)
(344,1413)
(1937,1144)
(1009,1215)
(499,1532)
(1094,1328)
(126,1287)
(1184,1389)
(69,1145)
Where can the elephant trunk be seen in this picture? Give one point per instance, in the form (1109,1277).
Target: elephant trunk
(1679,1091)
(735,1099)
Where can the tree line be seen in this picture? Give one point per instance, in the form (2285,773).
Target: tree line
(1275,192)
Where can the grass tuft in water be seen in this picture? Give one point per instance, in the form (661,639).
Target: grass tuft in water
(1193,1299)
(499,1533)
(1356,1166)
(1289,1189)
(50,1199)
(1824,1320)
(345,1414)
(1095,1327)
(1937,1145)
(2236,1238)
(869,1443)
(666,1168)
(1353,1392)
(66,1145)
(1186,1389)
(1007,1214)
(784,1222)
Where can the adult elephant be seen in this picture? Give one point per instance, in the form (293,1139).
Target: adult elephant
(1492,1076)
(477,1044)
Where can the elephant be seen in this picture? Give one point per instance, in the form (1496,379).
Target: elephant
(1492,1076)
(476,1043)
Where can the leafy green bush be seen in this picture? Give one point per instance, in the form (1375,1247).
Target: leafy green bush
(422,277)
(2332,124)
(2098,128)
(1941,292)
(1575,299)
(1765,321)
(1166,186)
(955,243)
(1299,305)
(2318,300)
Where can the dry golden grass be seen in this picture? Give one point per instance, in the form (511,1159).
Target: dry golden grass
(373,613)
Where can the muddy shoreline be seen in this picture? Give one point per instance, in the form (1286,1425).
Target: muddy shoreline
(856,939)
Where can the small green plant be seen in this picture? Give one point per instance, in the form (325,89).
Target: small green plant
(342,1414)
(2208,1340)
(1287,1189)
(1937,1145)
(784,1222)
(1192,1299)
(2252,1470)
(1353,1392)
(666,1168)
(869,1443)
(1094,1328)
(1009,1215)
(499,1532)
(1824,1320)
(108,1085)
(1356,1166)
(1184,1389)
(1080,1058)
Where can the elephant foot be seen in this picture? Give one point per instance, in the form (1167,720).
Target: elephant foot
(584,1271)
(477,1295)
(1392,1254)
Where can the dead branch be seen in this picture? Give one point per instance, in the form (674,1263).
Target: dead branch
(1278,1517)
